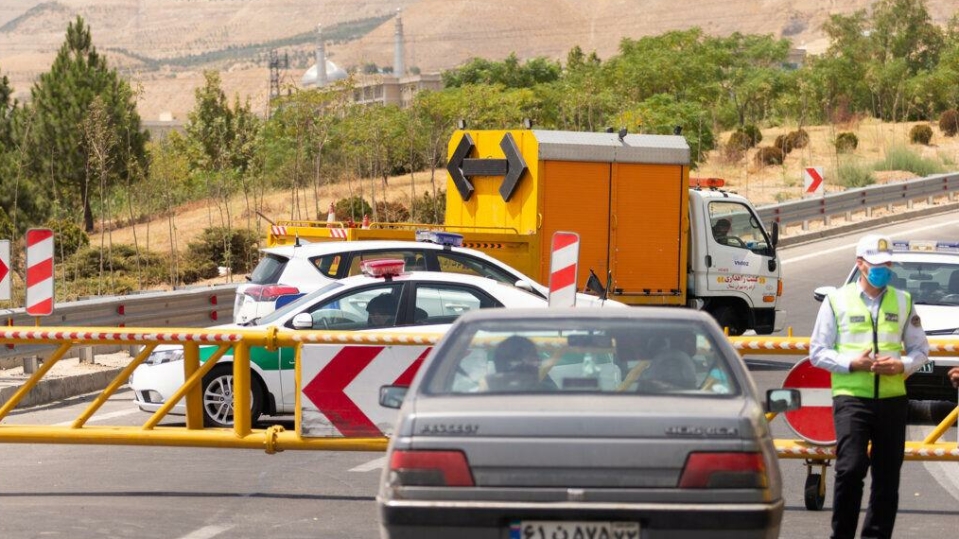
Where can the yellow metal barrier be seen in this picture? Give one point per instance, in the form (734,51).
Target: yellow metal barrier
(275,438)
(271,439)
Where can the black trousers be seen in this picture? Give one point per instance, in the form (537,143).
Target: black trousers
(858,422)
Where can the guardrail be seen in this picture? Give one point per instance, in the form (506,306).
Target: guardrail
(859,200)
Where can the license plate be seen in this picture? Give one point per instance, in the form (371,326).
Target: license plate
(550,529)
(927,368)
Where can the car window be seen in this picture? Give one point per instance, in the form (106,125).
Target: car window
(734,225)
(443,304)
(297,306)
(328,265)
(269,269)
(929,283)
(459,263)
(366,308)
(598,356)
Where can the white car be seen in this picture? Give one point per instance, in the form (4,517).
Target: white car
(929,271)
(287,272)
(386,299)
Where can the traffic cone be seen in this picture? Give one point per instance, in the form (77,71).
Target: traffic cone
(366,221)
(331,216)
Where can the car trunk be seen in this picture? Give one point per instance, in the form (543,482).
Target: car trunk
(619,448)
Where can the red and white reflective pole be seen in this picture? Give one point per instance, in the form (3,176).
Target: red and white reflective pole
(39,272)
(564,262)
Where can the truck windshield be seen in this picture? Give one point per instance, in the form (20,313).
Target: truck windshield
(735,225)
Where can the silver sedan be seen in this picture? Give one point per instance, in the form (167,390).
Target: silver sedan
(565,423)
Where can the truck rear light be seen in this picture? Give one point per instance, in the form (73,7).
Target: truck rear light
(430,469)
(724,470)
(270,292)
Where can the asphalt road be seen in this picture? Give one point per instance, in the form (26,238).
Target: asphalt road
(98,491)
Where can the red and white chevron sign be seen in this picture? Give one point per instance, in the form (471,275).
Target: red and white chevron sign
(562,269)
(39,272)
(4,270)
(341,386)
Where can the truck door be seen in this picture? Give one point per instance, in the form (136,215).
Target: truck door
(739,250)
(576,199)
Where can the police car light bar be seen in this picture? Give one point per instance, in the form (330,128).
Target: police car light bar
(384,267)
(927,246)
(448,239)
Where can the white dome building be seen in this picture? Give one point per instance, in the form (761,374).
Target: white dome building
(333,73)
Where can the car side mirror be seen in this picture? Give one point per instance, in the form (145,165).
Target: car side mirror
(783,400)
(303,321)
(392,396)
(820,293)
(775,238)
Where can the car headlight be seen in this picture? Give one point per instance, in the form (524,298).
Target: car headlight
(164,356)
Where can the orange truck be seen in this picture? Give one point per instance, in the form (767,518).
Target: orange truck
(652,234)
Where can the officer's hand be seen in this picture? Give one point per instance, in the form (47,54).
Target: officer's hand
(954,376)
(862,363)
(888,365)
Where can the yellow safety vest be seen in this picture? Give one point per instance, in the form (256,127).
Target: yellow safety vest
(855,333)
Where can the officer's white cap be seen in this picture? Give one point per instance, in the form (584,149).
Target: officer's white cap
(874,249)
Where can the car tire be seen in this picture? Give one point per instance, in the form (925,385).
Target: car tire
(727,317)
(218,397)
(814,500)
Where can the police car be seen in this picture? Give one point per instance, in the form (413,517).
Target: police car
(385,298)
(287,272)
(929,271)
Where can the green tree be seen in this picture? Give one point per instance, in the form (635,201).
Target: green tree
(661,114)
(508,73)
(55,149)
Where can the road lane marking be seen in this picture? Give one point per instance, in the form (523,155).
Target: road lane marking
(852,245)
(375,464)
(207,532)
(100,417)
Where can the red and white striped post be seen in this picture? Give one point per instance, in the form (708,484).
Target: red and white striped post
(4,270)
(564,262)
(39,272)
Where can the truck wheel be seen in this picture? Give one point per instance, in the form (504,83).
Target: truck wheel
(218,397)
(727,317)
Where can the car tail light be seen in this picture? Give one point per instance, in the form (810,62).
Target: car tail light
(724,470)
(430,469)
(270,292)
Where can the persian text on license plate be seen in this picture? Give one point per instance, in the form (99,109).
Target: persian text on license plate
(927,368)
(548,529)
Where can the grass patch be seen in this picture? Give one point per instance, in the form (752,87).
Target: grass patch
(853,174)
(902,158)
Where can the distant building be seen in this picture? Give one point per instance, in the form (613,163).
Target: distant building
(391,90)
(795,59)
(160,128)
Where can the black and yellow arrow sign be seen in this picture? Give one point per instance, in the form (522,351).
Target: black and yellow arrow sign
(462,167)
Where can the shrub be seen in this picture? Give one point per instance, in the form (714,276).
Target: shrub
(920,134)
(846,141)
(354,208)
(392,212)
(69,237)
(754,134)
(852,174)
(798,138)
(121,272)
(949,122)
(783,143)
(902,158)
(769,155)
(6,224)
(235,248)
(738,141)
(429,209)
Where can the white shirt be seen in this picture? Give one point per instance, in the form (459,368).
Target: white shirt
(822,342)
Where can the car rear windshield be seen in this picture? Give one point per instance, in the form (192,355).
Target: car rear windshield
(582,355)
(269,269)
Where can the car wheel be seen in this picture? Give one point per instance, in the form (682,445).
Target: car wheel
(815,493)
(727,317)
(218,397)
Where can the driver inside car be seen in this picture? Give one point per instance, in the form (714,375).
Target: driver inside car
(381,310)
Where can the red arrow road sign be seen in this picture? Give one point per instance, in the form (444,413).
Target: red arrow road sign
(327,390)
(813,420)
(4,270)
(815,179)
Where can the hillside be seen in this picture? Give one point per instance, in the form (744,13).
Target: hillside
(156,44)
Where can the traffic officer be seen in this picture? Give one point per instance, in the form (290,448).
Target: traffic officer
(859,337)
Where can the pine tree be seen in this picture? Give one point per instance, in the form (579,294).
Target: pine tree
(56,151)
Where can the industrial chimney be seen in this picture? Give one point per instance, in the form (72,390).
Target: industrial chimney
(320,58)
(398,69)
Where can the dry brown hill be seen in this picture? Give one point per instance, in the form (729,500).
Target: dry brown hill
(439,33)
